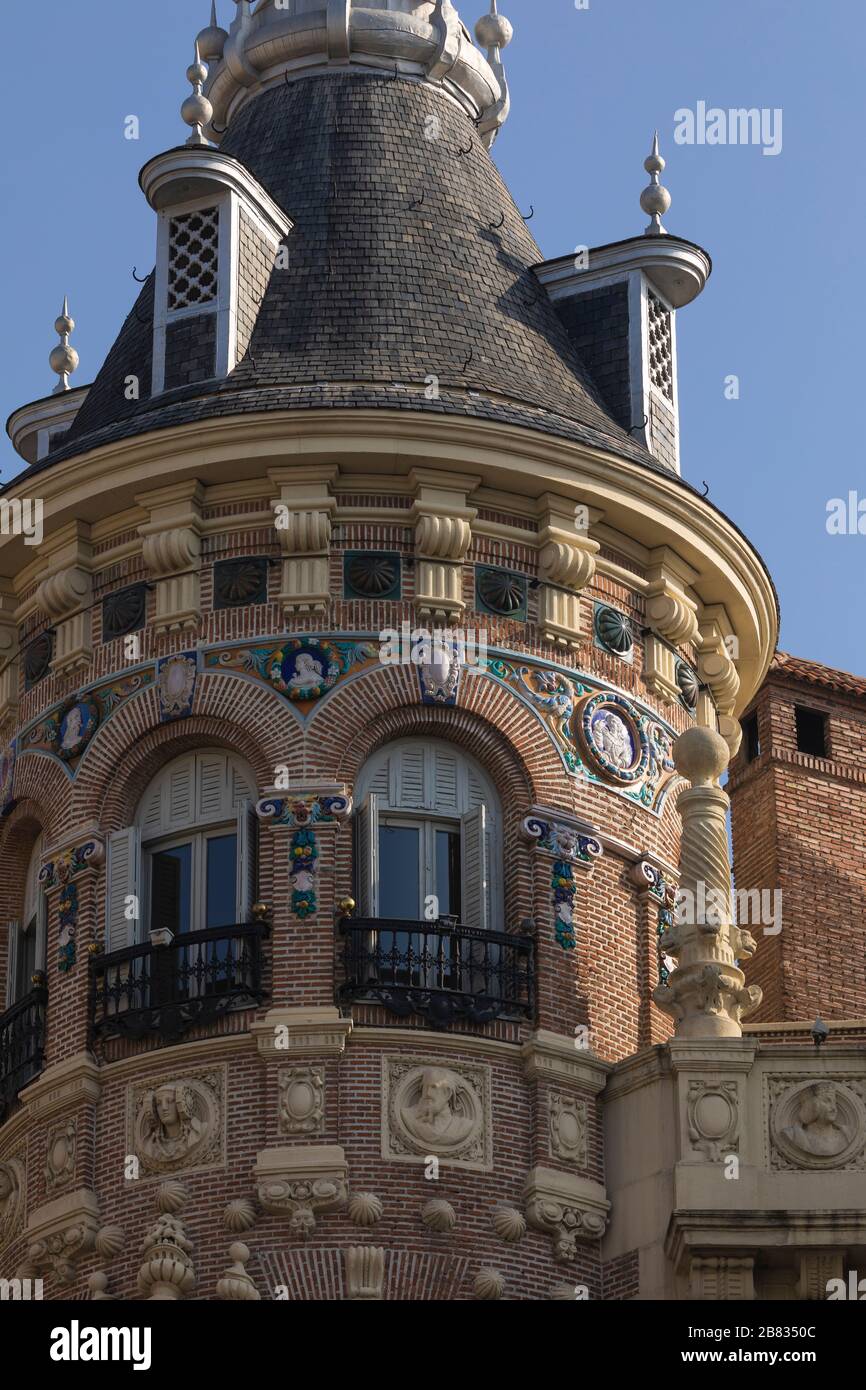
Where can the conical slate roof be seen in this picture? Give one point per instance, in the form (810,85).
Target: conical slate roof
(408,259)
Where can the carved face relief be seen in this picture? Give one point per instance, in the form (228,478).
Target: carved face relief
(437,1110)
(178,1124)
(818,1124)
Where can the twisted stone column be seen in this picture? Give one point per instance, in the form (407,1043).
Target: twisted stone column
(707,993)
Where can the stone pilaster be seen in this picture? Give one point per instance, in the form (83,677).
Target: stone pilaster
(172,553)
(443,534)
(706,994)
(66,594)
(566,565)
(304,513)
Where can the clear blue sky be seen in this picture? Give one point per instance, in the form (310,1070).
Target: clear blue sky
(783,311)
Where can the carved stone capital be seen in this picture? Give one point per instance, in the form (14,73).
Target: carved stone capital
(65,592)
(566,1207)
(166,552)
(302,1182)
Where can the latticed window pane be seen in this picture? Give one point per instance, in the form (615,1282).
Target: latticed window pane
(193,254)
(661,348)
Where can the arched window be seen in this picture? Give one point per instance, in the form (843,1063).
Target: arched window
(188,862)
(27,936)
(429,836)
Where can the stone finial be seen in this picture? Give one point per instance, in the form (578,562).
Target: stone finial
(493,30)
(212,40)
(706,992)
(655,199)
(64,358)
(197,110)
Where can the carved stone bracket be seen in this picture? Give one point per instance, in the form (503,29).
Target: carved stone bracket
(443,534)
(300,1183)
(566,1207)
(304,514)
(171,548)
(365,1273)
(566,565)
(62,1232)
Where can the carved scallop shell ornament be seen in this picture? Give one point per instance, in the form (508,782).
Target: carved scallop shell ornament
(171,1196)
(365,1209)
(614,630)
(239,1215)
(439,1215)
(489,1285)
(110,1241)
(509,1224)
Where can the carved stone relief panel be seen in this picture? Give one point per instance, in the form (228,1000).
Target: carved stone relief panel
(60,1157)
(430,1109)
(713,1118)
(568,1129)
(13,1198)
(178,1123)
(816,1122)
(302,1100)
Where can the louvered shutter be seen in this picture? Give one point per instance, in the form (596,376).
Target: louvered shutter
(446,769)
(246,872)
(178,806)
(122,882)
(367,856)
(12,930)
(475,869)
(213,794)
(410,777)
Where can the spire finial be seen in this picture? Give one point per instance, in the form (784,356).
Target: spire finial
(655,199)
(197,110)
(493,30)
(63,359)
(212,40)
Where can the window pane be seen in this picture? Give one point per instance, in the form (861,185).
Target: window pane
(222,871)
(399,886)
(171,889)
(447,887)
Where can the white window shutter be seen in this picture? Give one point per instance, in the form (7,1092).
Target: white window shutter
(213,791)
(122,882)
(475,869)
(367,856)
(178,810)
(445,781)
(247,868)
(12,930)
(410,785)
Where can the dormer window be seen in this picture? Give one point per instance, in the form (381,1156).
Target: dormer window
(218,243)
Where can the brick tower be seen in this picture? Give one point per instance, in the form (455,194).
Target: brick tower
(798,800)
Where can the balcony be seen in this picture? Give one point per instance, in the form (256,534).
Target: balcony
(22,1045)
(164,990)
(440,971)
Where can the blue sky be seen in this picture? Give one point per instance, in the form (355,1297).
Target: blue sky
(783,310)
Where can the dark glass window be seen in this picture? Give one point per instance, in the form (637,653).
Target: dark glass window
(448,872)
(751,738)
(171,889)
(222,858)
(811,732)
(399,872)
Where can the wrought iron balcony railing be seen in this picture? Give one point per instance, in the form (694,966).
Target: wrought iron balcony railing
(166,990)
(438,970)
(22,1044)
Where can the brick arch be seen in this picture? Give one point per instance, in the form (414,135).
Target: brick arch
(21,829)
(128,751)
(489,722)
(41,784)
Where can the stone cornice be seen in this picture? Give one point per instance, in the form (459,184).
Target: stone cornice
(652,507)
(60,1088)
(552,1057)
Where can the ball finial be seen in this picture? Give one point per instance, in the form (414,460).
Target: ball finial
(212,40)
(655,199)
(197,110)
(701,755)
(63,358)
(493,30)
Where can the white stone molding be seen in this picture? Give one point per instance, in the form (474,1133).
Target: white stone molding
(302,1100)
(722,1278)
(706,994)
(713,1117)
(817,1268)
(317,1031)
(365,1273)
(431,1108)
(301,1182)
(566,565)
(553,1057)
(61,1232)
(304,511)
(172,553)
(566,1207)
